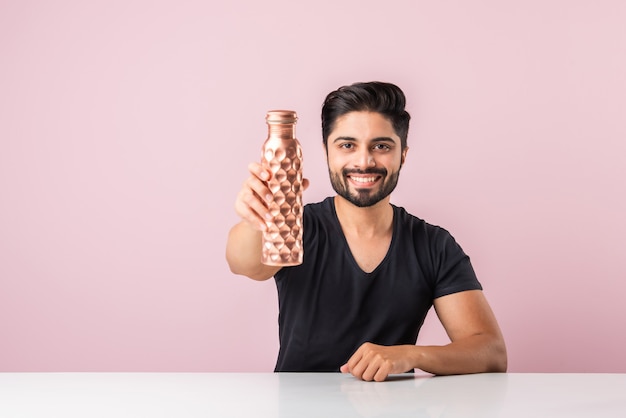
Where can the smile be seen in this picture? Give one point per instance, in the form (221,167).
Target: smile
(363,179)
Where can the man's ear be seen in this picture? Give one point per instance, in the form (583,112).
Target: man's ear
(404,151)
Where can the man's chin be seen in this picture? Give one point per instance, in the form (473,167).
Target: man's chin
(364,198)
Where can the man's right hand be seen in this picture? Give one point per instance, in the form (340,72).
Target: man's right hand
(243,249)
(253,198)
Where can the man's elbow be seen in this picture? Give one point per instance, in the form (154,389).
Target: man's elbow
(499,365)
(258,274)
(498,361)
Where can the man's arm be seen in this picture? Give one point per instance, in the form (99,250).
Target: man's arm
(244,247)
(476,346)
(243,253)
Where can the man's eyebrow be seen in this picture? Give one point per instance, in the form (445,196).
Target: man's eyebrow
(379,139)
(383,139)
(344,138)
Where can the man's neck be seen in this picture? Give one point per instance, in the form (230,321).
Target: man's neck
(367,222)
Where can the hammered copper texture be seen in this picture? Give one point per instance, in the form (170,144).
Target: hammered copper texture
(282,242)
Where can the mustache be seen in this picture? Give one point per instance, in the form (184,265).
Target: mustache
(381,171)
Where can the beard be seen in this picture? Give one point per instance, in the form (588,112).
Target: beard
(364,197)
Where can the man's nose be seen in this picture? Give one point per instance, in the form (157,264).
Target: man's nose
(366,159)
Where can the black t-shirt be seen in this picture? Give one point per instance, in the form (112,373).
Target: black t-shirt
(328,306)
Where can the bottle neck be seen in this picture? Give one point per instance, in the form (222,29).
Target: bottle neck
(281,130)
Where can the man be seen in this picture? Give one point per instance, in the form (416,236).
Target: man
(371,270)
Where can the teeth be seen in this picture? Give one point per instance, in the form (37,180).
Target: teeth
(364,179)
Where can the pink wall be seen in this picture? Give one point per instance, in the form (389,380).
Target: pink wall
(126,128)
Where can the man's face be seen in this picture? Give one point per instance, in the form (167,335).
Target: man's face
(364,157)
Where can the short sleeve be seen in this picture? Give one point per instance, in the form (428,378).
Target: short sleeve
(452,267)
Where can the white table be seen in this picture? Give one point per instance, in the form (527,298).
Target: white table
(324,395)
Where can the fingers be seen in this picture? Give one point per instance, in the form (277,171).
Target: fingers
(372,362)
(368,371)
(252,199)
(257,170)
(366,365)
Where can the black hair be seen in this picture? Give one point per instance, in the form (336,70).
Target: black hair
(376,96)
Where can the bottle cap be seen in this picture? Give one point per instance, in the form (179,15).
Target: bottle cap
(281,116)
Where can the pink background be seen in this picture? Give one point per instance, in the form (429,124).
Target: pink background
(126,128)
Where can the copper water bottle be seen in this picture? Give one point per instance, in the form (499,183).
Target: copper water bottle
(282,155)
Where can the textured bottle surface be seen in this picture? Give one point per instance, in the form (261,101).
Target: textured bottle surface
(282,155)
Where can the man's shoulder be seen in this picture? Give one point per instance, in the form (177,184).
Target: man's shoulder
(324,202)
(414,224)
(407,219)
(323,206)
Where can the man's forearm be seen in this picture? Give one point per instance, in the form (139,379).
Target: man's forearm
(243,253)
(475,354)
(479,353)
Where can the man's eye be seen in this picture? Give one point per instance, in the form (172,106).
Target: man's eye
(346,145)
(382,147)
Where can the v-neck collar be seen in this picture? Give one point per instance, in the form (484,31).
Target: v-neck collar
(394,229)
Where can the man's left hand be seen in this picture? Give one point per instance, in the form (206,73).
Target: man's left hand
(376,362)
